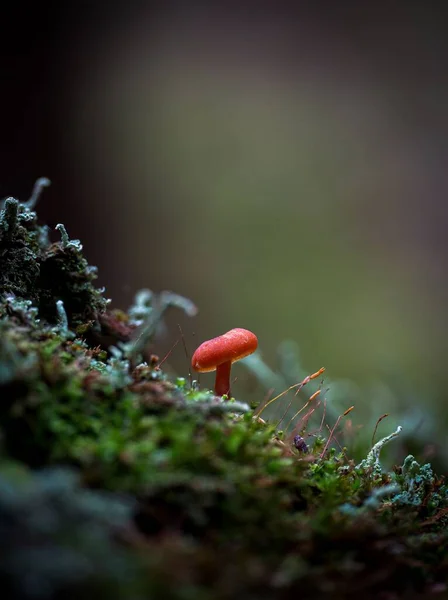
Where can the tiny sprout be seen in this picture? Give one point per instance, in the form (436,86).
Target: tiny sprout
(344,414)
(377,423)
(181,382)
(310,399)
(297,386)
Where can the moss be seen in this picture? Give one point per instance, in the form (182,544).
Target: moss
(33,269)
(216,503)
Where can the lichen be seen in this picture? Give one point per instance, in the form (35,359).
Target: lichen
(32,269)
(371,463)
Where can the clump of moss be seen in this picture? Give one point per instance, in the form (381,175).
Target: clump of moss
(218,504)
(34,269)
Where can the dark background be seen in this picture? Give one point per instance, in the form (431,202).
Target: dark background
(284,168)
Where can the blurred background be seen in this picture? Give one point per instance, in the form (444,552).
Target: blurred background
(284,168)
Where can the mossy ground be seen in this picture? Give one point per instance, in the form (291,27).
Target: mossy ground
(115,480)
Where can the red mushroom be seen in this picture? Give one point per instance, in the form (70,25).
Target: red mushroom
(219,354)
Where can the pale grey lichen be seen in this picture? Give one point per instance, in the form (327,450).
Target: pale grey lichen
(62,324)
(118,367)
(40,184)
(66,241)
(372,461)
(9,217)
(416,482)
(141,308)
(216,406)
(148,312)
(373,501)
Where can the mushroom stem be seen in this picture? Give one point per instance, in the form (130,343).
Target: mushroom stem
(222,381)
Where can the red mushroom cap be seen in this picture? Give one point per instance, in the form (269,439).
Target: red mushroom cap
(231,346)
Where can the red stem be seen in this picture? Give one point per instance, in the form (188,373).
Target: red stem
(222,381)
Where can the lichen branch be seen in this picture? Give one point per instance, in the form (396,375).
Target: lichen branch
(40,184)
(372,461)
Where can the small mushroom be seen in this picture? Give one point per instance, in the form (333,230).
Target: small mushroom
(219,354)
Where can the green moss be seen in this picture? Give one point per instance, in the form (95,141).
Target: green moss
(218,503)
